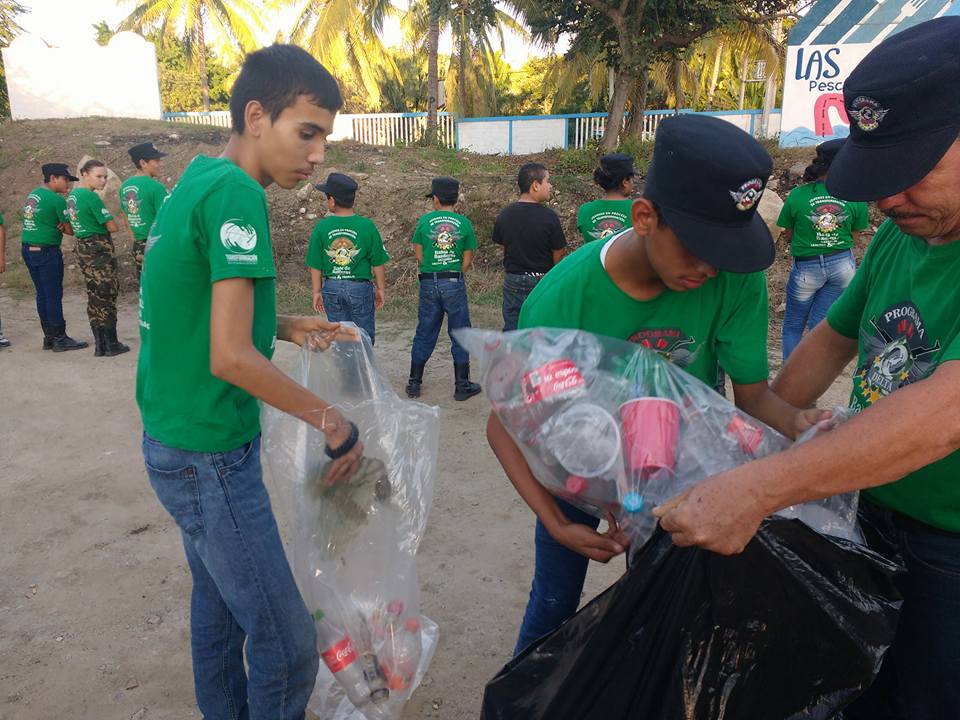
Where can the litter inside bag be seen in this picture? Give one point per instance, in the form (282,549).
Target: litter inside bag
(794,627)
(353,543)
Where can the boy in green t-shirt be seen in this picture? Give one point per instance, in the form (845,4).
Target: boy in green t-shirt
(141,196)
(208,328)
(684,280)
(603,218)
(4,343)
(346,258)
(444,243)
(44,222)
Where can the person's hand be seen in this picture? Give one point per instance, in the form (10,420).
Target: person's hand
(588,542)
(379,298)
(806,419)
(336,429)
(318,301)
(317,333)
(716,515)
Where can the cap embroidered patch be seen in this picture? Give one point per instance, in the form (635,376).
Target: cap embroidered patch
(867,113)
(748,194)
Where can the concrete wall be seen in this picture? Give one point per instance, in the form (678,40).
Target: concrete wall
(82,79)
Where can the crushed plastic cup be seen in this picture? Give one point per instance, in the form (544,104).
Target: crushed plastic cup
(747,435)
(503,378)
(585,439)
(650,429)
(576,484)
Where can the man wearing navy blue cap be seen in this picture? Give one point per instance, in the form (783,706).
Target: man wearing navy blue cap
(141,196)
(684,280)
(900,320)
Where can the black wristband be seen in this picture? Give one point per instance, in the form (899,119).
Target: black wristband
(347,445)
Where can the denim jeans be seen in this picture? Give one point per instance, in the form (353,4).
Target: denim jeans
(812,288)
(515,291)
(243,589)
(46,270)
(920,677)
(438,297)
(349,301)
(558,576)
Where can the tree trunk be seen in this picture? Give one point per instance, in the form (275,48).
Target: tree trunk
(743,81)
(624,85)
(715,76)
(638,106)
(462,79)
(679,96)
(433,76)
(201,43)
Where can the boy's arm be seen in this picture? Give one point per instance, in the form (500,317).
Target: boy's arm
(467,260)
(379,287)
(111,226)
(3,248)
(758,400)
(418,251)
(316,279)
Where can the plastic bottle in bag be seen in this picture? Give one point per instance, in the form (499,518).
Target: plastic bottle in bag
(369,664)
(403,655)
(340,656)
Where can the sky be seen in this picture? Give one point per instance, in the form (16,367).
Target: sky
(60,21)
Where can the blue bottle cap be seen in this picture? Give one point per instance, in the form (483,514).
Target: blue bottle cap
(632,502)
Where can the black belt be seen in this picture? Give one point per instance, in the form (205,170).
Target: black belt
(821,256)
(346,279)
(527,274)
(441,276)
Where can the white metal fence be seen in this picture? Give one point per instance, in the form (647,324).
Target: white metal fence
(219,118)
(399,128)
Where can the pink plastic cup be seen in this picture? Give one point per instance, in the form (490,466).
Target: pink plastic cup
(650,429)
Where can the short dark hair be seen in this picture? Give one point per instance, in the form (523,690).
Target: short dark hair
(342,203)
(275,77)
(447,200)
(529,174)
(610,179)
(90,165)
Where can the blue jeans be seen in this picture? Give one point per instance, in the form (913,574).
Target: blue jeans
(920,677)
(515,291)
(558,576)
(813,287)
(349,301)
(438,297)
(46,270)
(243,589)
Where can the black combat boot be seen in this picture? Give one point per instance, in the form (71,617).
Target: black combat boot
(416,379)
(111,345)
(98,340)
(464,389)
(47,335)
(63,342)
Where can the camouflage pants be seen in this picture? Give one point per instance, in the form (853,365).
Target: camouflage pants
(139,247)
(99,267)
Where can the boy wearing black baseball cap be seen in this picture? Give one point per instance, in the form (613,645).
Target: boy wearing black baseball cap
(141,196)
(684,280)
(346,258)
(900,319)
(44,223)
(444,242)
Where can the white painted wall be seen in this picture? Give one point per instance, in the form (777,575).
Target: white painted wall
(82,79)
(487,137)
(534,136)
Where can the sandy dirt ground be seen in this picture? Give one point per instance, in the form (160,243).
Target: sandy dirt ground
(94,588)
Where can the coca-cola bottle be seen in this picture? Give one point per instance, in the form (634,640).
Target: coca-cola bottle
(341,657)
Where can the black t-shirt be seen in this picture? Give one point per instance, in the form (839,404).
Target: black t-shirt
(529,233)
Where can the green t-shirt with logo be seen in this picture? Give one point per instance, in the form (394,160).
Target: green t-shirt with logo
(213,226)
(444,236)
(723,321)
(346,247)
(1,218)
(820,222)
(904,306)
(87,213)
(602,219)
(140,198)
(42,213)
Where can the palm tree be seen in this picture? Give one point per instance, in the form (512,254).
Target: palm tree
(9,9)
(232,23)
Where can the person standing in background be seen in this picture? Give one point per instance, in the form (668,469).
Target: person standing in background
(4,343)
(604,218)
(141,196)
(532,239)
(821,230)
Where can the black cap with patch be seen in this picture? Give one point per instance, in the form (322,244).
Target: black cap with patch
(145,151)
(618,164)
(57,169)
(903,101)
(444,187)
(707,176)
(340,187)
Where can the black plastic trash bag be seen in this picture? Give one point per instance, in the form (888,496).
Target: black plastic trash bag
(794,627)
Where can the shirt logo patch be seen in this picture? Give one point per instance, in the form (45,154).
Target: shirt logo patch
(867,113)
(342,252)
(747,195)
(238,236)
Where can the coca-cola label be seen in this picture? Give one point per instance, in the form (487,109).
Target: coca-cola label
(340,655)
(555,379)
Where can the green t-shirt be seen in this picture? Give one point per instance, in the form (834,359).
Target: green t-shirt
(1,218)
(904,306)
(87,213)
(444,236)
(346,247)
(820,222)
(601,219)
(140,198)
(723,321)
(213,226)
(42,214)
